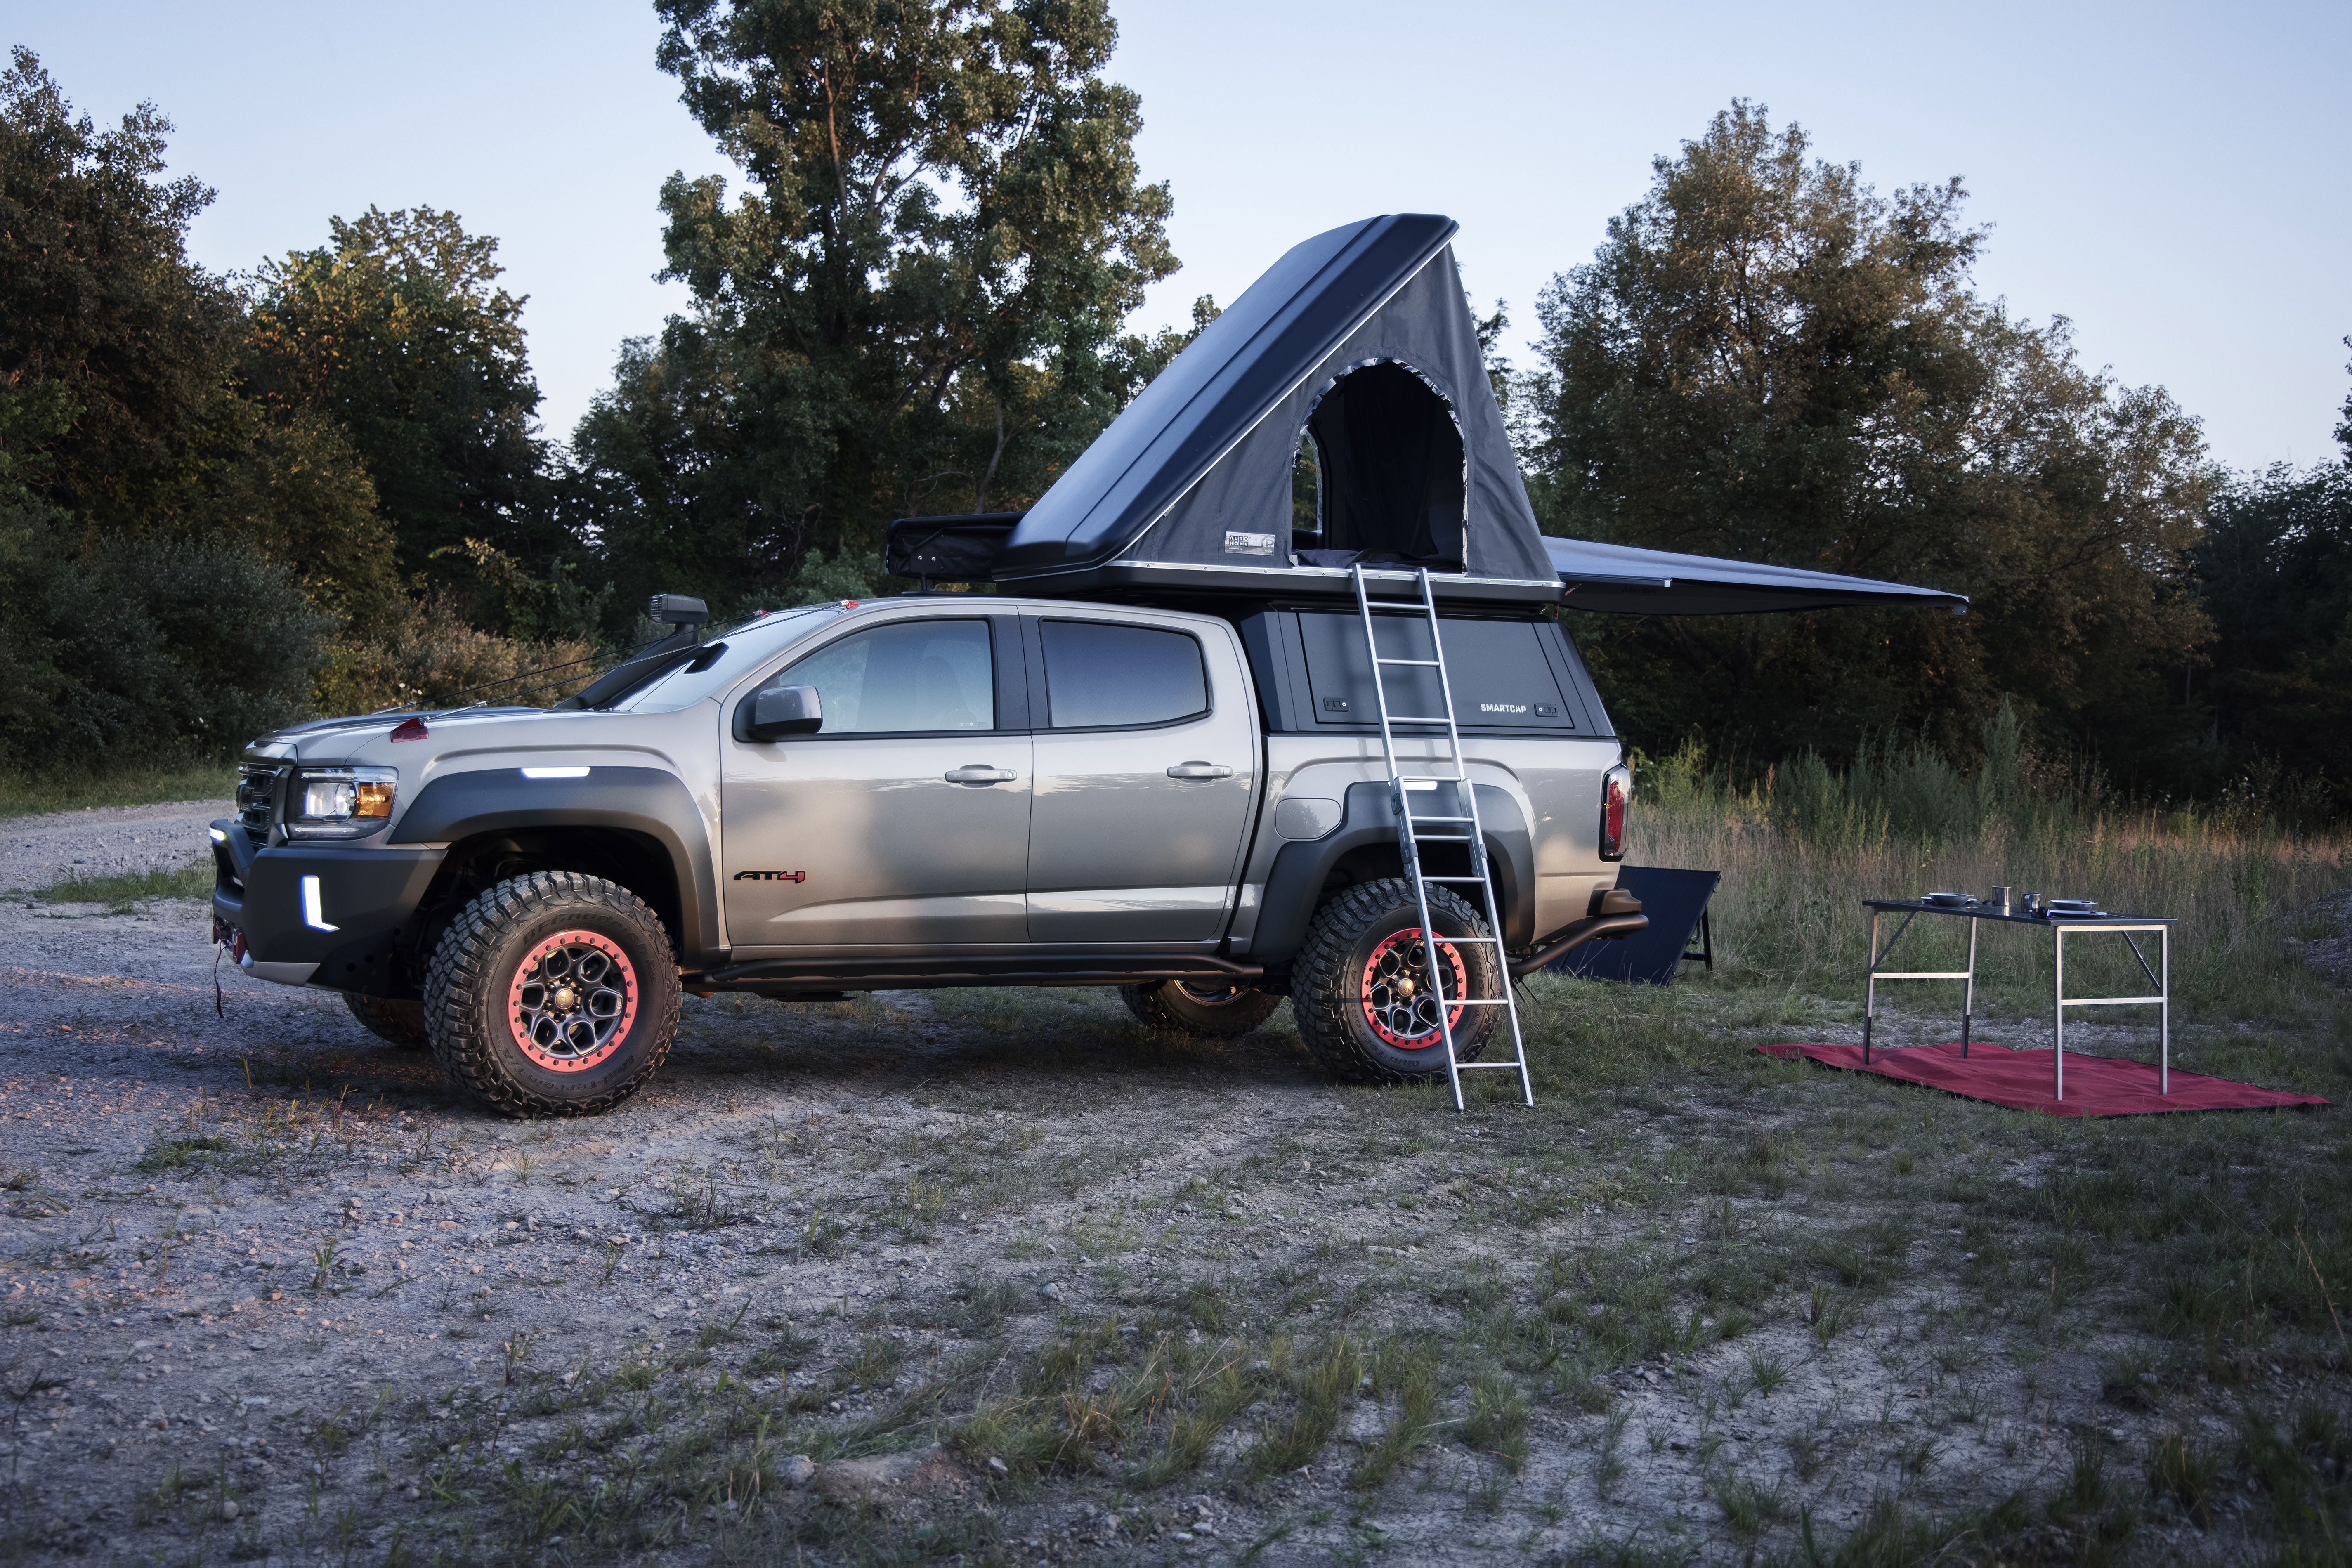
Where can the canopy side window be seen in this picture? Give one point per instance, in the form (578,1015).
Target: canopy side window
(1384,459)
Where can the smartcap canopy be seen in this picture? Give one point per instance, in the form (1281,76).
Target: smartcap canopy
(1623,580)
(1361,334)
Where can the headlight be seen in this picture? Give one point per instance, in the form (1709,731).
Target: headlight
(340,803)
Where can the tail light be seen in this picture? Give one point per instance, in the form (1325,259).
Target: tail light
(1616,793)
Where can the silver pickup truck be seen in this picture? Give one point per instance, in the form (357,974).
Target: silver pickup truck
(927,791)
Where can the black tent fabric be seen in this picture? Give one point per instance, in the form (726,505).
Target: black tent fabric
(1415,466)
(1620,579)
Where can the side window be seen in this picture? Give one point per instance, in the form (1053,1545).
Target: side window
(909,675)
(1103,676)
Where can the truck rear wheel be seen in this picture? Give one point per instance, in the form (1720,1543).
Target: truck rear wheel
(1196,1007)
(399,1024)
(552,995)
(1360,986)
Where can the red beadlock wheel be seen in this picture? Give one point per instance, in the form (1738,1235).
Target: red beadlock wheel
(1398,1003)
(572,1000)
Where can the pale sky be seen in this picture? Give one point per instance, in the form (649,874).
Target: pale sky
(2170,177)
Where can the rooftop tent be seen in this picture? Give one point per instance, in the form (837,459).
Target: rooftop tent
(1623,580)
(1359,339)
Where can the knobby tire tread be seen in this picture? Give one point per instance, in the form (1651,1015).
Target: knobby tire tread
(1151,1003)
(461,968)
(398,1024)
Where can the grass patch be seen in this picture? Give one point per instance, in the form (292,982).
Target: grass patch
(28,794)
(119,892)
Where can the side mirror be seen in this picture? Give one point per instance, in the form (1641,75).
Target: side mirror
(779,712)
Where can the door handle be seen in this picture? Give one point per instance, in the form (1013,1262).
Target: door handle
(1199,771)
(977,772)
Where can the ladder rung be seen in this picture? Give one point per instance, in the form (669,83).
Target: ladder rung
(1473,1066)
(1417,719)
(1476,1001)
(1440,839)
(1430,779)
(1419,663)
(1427,877)
(1445,819)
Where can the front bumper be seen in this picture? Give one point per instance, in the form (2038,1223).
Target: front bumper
(321,914)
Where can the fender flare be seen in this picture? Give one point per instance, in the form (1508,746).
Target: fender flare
(1294,886)
(650,802)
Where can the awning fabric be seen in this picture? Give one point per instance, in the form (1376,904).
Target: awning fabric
(1196,472)
(1619,579)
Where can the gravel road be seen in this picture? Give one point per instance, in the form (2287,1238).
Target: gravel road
(103,841)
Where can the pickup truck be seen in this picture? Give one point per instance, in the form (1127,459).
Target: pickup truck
(938,789)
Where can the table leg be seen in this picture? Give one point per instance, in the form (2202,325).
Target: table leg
(2058,1012)
(1969,999)
(2164,1030)
(1869,989)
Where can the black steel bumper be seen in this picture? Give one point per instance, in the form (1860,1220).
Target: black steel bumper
(341,930)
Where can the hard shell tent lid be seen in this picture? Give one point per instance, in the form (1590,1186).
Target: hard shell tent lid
(1620,579)
(1361,336)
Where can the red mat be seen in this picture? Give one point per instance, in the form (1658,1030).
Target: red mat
(2095,1086)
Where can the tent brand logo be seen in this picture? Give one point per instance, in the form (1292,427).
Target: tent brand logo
(772,875)
(1502,708)
(1249,544)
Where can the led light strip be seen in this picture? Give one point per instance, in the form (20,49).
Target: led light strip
(313,915)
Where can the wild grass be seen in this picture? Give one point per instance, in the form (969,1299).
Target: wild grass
(118,893)
(1801,846)
(67,789)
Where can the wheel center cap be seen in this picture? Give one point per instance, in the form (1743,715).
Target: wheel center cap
(1404,986)
(566,998)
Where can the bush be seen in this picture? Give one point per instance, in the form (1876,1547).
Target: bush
(428,653)
(114,650)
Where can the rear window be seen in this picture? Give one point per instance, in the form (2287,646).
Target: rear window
(1101,675)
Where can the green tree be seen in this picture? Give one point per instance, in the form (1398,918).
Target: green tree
(914,306)
(1767,359)
(2276,571)
(397,330)
(115,350)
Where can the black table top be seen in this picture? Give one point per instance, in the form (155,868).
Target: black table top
(1988,913)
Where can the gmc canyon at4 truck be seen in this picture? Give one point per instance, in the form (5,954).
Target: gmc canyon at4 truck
(1152,757)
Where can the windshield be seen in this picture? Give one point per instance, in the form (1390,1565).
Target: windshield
(746,645)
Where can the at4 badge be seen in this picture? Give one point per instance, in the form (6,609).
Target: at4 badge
(772,875)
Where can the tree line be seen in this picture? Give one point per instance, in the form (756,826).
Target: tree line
(322,484)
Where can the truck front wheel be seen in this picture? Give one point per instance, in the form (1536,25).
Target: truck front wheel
(1197,1008)
(552,995)
(1360,986)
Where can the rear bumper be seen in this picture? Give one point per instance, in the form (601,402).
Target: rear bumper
(328,915)
(1616,914)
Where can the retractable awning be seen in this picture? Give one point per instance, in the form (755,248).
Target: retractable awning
(1619,579)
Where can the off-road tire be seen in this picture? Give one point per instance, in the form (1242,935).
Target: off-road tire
(1330,983)
(399,1024)
(1185,1007)
(479,995)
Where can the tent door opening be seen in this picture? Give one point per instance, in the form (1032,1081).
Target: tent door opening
(1386,481)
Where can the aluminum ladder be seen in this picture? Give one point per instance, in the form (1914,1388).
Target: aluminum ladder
(1460,815)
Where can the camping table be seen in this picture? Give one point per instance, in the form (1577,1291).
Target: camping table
(2124,926)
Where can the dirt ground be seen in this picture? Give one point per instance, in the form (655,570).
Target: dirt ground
(274,1292)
